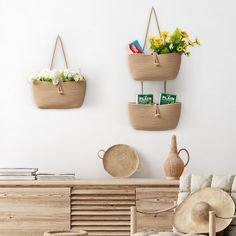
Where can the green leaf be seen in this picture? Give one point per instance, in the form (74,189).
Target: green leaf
(165,50)
(176,36)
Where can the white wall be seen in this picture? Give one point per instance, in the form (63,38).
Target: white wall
(96,34)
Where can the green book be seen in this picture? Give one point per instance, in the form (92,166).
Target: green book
(144,98)
(166,98)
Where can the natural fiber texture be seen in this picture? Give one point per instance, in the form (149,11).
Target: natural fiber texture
(190,183)
(154,67)
(173,165)
(191,216)
(65,233)
(64,95)
(154,117)
(46,94)
(142,67)
(120,160)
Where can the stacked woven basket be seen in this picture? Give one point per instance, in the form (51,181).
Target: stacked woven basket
(154,67)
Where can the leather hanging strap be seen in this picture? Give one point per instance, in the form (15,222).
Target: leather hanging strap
(156,110)
(153,12)
(58,41)
(60,90)
(156,59)
(155,55)
(141,87)
(165,86)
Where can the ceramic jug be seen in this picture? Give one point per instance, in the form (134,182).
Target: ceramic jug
(173,165)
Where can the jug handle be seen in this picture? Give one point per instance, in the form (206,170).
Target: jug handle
(99,153)
(188,156)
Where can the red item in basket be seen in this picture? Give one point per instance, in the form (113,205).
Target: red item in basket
(135,47)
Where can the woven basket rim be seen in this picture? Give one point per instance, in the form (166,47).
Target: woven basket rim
(148,105)
(159,55)
(135,165)
(67,82)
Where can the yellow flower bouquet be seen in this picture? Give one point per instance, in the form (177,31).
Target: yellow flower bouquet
(165,60)
(178,42)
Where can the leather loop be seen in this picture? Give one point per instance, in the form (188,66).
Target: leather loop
(58,40)
(153,11)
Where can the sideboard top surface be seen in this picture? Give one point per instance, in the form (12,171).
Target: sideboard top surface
(77,182)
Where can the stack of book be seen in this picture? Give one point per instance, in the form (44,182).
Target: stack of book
(50,176)
(18,173)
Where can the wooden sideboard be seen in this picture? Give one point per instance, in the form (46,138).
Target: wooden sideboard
(102,207)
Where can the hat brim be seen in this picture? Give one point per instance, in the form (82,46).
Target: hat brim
(220,202)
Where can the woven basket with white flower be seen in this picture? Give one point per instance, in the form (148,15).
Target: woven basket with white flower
(59,89)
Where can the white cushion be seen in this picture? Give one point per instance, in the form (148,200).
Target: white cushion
(185,183)
(199,181)
(222,182)
(234,185)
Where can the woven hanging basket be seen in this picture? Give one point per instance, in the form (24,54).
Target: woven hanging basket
(66,233)
(64,95)
(154,117)
(154,67)
(120,160)
(46,94)
(142,67)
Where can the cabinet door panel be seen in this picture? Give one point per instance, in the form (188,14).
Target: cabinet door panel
(150,199)
(102,210)
(32,211)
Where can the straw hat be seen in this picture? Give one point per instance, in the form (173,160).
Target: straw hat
(192,215)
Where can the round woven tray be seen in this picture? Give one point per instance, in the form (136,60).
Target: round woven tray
(66,233)
(120,160)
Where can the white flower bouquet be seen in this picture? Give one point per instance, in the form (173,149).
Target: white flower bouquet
(56,76)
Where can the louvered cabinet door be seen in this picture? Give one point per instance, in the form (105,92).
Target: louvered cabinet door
(102,210)
(150,199)
(32,211)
